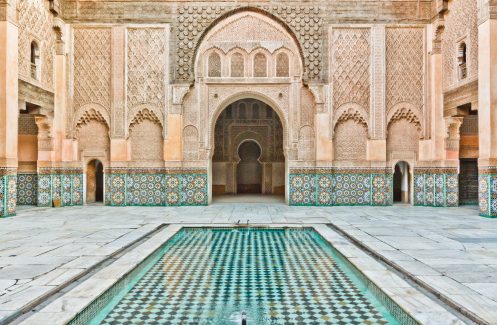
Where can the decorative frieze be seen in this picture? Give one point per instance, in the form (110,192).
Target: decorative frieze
(156,186)
(8,191)
(438,187)
(305,22)
(65,184)
(340,186)
(487,191)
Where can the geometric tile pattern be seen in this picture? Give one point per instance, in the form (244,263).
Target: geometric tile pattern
(156,188)
(340,187)
(64,184)
(487,192)
(211,276)
(27,185)
(8,192)
(436,187)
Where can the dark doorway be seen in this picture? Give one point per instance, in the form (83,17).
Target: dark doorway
(468,181)
(249,169)
(401,181)
(95,182)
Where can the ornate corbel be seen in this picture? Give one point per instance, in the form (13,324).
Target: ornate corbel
(452,132)
(487,9)
(58,27)
(442,6)
(318,93)
(55,7)
(45,137)
(179,93)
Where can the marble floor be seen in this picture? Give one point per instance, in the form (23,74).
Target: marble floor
(451,251)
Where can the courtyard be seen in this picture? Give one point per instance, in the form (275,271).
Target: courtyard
(449,254)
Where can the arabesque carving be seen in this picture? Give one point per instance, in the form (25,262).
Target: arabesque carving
(351,67)
(92,66)
(405,66)
(305,23)
(146,66)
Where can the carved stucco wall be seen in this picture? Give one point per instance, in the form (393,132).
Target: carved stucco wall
(35,23)
(351,56)
(461,25)
(405,67)
(402,140)
(350,140)
(146,63)
(304,21)
(91,72)
(93,138)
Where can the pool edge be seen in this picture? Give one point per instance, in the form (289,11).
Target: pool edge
(108,280)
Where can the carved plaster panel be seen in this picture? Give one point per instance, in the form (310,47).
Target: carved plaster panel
(405,67)
(304,21)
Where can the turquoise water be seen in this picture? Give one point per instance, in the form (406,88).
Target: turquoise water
(274,276)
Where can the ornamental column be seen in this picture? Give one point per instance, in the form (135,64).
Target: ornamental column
(487,107)
(9,110)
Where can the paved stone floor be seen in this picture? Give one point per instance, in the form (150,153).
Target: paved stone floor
(452,250)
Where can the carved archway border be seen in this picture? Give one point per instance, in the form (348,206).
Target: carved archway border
(246,137)
(135,110)
(235,11)
(100,112)
(350,111)
(216,112)
(409,112)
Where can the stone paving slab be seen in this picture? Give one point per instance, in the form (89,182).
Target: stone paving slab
(452,248)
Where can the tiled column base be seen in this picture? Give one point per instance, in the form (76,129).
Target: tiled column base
(27,189)
(156,187)
(488,192)
(436,187)
(8,192)
(65,184)
(340,186)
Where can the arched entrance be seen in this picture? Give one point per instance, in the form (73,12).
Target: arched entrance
(248,150)
(94,181)
(249,168)
(401,183)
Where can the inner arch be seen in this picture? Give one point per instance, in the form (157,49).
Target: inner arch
(248,150)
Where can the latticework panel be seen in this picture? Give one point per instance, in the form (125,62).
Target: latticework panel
(461,22)
(36,24)
(351,62)
(92,66)
(146,64)
(404,69)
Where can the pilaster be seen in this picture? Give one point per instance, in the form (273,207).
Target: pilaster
(9,110)
(487,111)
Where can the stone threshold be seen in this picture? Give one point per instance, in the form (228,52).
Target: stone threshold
(412,302)
(451,304)
(43,300)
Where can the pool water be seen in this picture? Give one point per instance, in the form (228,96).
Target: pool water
(274,276)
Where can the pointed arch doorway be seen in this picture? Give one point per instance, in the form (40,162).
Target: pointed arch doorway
(401,183)
(95,181)
(248,154)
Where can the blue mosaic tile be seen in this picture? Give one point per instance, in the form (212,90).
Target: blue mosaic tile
(266,282)
(156,189)
(8,194)
(303,189)
(27,189)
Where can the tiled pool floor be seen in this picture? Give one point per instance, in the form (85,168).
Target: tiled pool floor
(212,276)
(42,248)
